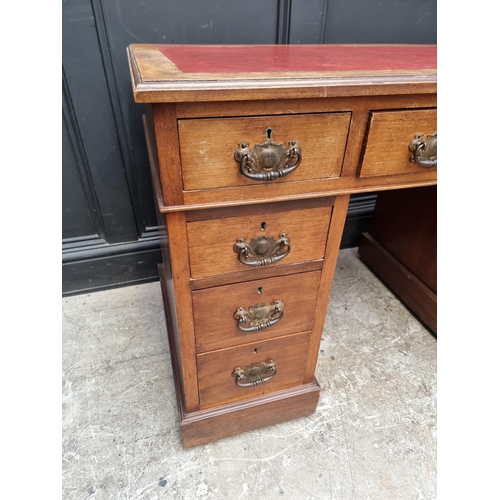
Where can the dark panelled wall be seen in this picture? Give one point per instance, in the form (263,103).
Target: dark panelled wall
(109,229)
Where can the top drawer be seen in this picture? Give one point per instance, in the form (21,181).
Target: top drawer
(389,136)
(208,146)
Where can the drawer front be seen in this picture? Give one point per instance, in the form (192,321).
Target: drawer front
(231,315)
(211,242)
(208,146)
(389,136)
(216,369)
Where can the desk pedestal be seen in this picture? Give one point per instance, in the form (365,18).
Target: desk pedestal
(401,248)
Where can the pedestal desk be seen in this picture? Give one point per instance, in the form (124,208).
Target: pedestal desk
(254,152)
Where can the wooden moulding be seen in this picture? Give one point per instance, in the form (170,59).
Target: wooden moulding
(417,296)
(217,384)
(205,426)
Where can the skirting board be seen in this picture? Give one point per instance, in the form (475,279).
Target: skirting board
(205,426)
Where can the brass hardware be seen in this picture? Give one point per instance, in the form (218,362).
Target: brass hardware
(268,161)
(424,152)
(263,250)
(259,316)
(256,374)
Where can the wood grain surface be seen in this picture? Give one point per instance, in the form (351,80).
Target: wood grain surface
(167,144)
(401,248)
(389,135)
(214,323)
(208,145)
(301,106)
(217,384)
(331,253)
(211,241)
(181,300)
(410,232)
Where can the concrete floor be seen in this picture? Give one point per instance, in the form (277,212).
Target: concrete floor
(373,436)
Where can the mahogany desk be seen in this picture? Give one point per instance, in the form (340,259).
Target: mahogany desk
(254,152)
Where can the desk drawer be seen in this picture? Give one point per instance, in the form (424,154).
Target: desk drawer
(216,369)
(229,315)
(389,136)
(212,242)
(208,146)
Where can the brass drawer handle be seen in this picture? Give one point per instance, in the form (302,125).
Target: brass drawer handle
(424,153)
(268,161)
(256,374)
(263,250)
(259,316)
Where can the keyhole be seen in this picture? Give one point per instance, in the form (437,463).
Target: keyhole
(259,290)
(255,351)
(269,133)
(262,226)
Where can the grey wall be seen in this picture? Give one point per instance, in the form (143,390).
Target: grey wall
(109,228)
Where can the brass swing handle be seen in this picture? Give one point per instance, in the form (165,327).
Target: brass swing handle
(268,161)
(424,152)
(256,374)
(263,250)
(259,316)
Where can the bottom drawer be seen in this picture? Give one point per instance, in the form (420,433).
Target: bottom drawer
(217,370)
